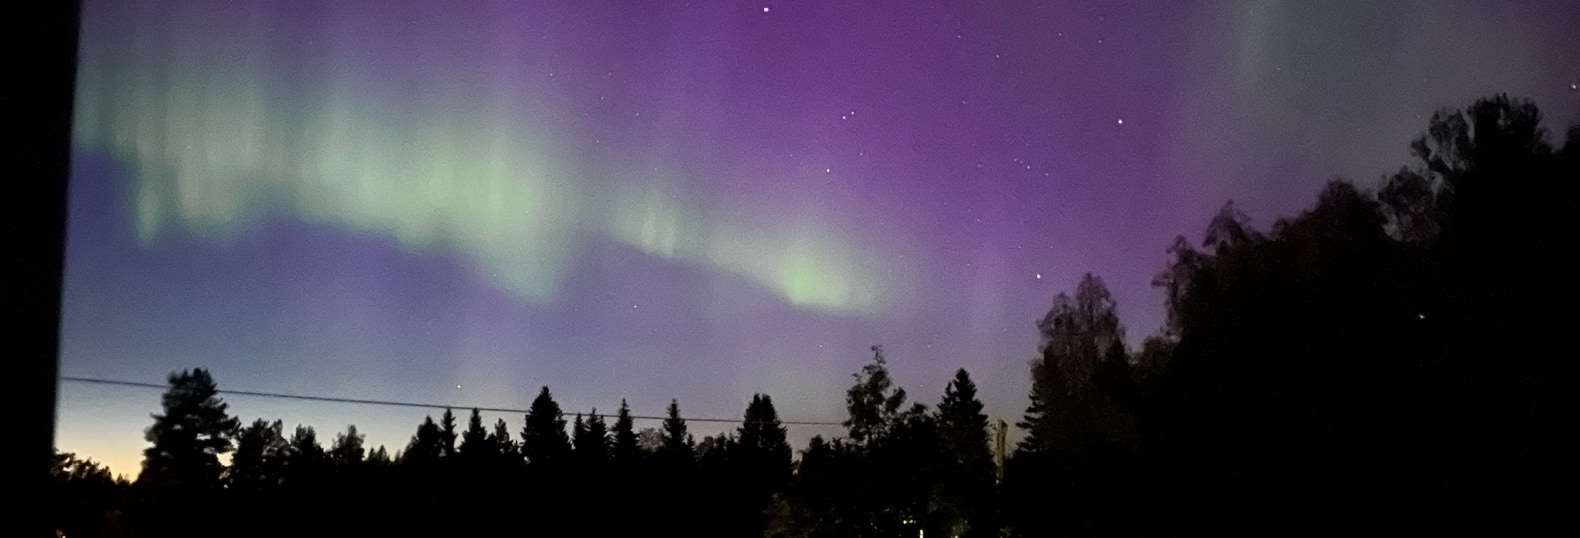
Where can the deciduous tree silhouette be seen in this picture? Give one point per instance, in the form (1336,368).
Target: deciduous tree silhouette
(83,498)
(259,458)
(426,446)
(347,451)
(873,403)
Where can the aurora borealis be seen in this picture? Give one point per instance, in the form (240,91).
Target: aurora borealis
(461,203)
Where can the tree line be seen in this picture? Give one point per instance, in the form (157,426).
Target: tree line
(1388,361)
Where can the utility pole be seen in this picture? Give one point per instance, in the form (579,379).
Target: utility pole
(998,447)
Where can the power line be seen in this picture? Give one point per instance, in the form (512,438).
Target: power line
(261,394)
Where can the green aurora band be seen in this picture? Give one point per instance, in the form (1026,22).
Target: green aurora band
(215,145)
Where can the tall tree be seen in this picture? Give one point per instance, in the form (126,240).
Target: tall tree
(1078,335)
(967,472)
(591,440)
(962,424)
(190,434)
(598,435)
(543,438)
(874,403)
(447,434)
(679,447)
(475,443)
(763,443)
(760,459)
(626,450)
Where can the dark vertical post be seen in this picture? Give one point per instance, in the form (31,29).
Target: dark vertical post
(42,52)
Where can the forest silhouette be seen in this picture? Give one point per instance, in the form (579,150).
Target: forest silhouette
(1390,361)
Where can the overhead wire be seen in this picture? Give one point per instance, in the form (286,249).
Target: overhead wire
(392,403)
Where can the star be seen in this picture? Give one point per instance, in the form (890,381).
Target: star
(1574,86)
(765,9)
(1039,276)
(1121,121)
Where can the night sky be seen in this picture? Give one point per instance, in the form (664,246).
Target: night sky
(699,200)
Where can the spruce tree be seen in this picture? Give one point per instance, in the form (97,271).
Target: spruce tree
(598,436)
(379,457)
(543,438)
(578,433)
(678,445)
(763,445)
(626,450)
(503,443)
(447,434)
(966,473)
(475,444)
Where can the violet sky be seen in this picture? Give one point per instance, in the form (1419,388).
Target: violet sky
(462,202)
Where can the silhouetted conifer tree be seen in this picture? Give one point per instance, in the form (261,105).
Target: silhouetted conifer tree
(591,441)
(503,443)
(475,443)
(447,434)
(678,445)
(626,451)
(964,494)
(543,438)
